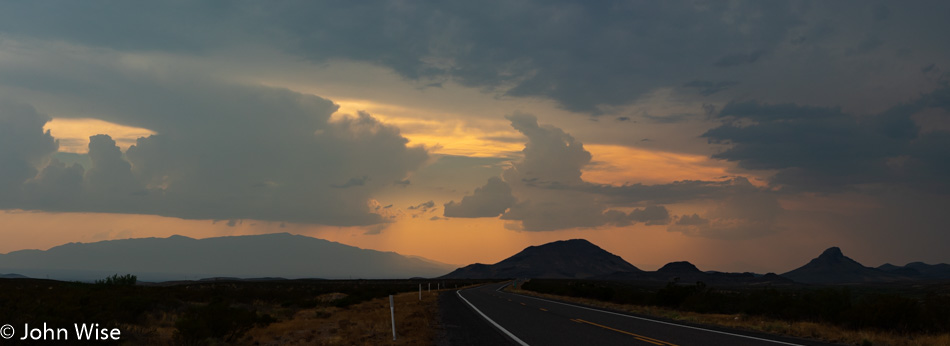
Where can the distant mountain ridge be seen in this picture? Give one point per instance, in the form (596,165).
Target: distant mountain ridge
(833,267)
(182,258)
(682,267)
(579,259)
(575,258)
(686,273)
(919,270)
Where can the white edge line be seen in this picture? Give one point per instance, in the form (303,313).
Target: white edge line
(512,336)
(651,320)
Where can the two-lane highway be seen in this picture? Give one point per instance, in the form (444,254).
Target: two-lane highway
(534,321)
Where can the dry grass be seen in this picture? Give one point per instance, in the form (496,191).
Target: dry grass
(366,323)
(800,329)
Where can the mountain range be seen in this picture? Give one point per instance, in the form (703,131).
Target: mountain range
(182,258)
(579,259)
(919,270)
(283,255)
(833,267)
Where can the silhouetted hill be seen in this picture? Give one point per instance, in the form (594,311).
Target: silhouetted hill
(919,270)
(12,276)
(686,273)
(904,271)
(935,271)
(575,258)
(682,267)
(888,267)
(832,266)
(182,258)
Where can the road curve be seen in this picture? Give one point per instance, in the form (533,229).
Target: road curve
(535,321)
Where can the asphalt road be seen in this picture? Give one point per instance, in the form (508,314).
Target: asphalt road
(534,321)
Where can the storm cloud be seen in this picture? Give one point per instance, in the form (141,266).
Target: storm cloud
(23,146)
(825,149)
(223,150)
(544,191)
(589,57)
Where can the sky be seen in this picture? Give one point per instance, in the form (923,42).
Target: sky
(739,136)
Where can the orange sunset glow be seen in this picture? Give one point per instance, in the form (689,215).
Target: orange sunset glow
(738,143)
(390,172)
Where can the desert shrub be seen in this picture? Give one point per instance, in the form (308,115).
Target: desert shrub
(898,311)
(118,280)
(674,295)
(886,311)
(217,320)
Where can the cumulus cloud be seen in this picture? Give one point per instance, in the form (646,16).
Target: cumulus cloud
(23,146)
(544,191)
(675,192)
(424,206)
(490,200)
(651,215)
(422,209)
(57,187)
(222,150)
(551,158)
(109,182)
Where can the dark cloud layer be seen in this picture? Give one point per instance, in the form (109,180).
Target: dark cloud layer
(587,56)
(794,72)
(739,213)
(825,149)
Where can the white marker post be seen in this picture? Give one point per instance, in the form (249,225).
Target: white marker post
(420,292)
(430,288)
(392,315)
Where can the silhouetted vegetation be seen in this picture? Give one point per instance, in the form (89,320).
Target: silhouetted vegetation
(197,312)
(218,320)
(119,280)
(896,309)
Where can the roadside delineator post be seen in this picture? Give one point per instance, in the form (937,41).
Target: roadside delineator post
(392,315)
(420,292)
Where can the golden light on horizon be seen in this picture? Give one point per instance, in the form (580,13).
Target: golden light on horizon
(617,165)
(451,136)
(73,134)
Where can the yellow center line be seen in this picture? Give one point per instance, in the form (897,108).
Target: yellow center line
(543,309)
(524,304)
(637,336)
